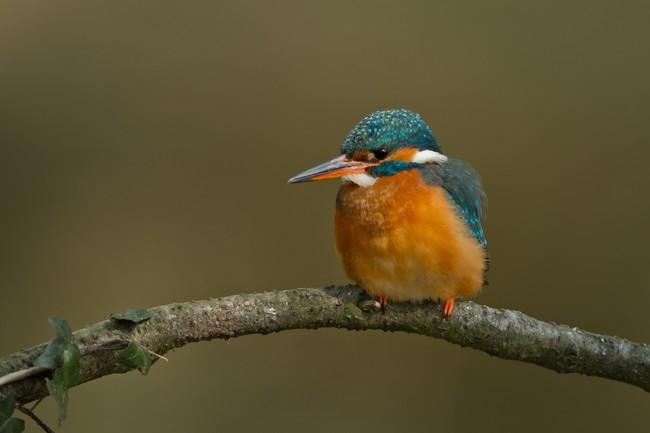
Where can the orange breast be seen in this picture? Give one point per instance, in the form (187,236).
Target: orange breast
(402,238)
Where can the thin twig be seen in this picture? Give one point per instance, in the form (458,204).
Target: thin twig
(36,419)
(20,375)
(35,405)
(158,356)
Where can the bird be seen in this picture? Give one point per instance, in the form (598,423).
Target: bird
(408,218)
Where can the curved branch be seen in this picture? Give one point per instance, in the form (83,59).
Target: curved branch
(502,333)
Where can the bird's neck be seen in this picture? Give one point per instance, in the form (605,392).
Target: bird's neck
(380,205)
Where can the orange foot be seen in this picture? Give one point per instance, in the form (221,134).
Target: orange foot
(448,307)
(383,301)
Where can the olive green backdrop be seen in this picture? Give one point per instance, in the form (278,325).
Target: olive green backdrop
(144,153)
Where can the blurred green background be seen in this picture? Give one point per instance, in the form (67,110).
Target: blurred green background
(144,153)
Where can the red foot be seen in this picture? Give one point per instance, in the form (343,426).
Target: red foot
(383,301)
(448,307)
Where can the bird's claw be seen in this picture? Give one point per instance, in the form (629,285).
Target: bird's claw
(448,307)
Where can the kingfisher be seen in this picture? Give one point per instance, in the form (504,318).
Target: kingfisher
(408,218)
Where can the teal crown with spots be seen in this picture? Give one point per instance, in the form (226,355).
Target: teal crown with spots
(390,129)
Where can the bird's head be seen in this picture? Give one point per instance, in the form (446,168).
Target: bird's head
(383,143)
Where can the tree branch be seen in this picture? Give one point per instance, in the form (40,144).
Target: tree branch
(502,333)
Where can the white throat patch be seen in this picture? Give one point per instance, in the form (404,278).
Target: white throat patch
(425,156)
(361,179)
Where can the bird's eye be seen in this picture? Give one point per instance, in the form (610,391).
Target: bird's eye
(380,153)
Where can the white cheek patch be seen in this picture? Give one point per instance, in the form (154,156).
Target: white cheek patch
(361,179)
(425,156)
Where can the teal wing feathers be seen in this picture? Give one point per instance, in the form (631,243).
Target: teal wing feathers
(464,190)
(463,186)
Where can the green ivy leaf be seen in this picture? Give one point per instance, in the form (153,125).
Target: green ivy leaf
(134,315)
(65,378)
(62,355)
(71,369)
(52,356)
(8,423)
(13,425)
(58,390)
(7,406)
(135,356)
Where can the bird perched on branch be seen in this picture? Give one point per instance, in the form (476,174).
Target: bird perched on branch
(408,218)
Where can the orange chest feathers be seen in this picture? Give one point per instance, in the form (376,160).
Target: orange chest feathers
(402,238)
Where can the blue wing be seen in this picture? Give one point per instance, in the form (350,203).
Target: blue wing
(464,190)
(463,186)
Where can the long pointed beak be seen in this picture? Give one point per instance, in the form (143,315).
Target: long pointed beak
(335,168)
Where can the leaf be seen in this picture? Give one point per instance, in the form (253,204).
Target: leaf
(62,355)
(135,356)
(71,368)
(13,425)
(136,315)
(58,390)
(65,378)
(9,424)
(52,356)
(7,406)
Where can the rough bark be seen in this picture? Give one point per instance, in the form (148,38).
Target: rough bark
(498,332)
